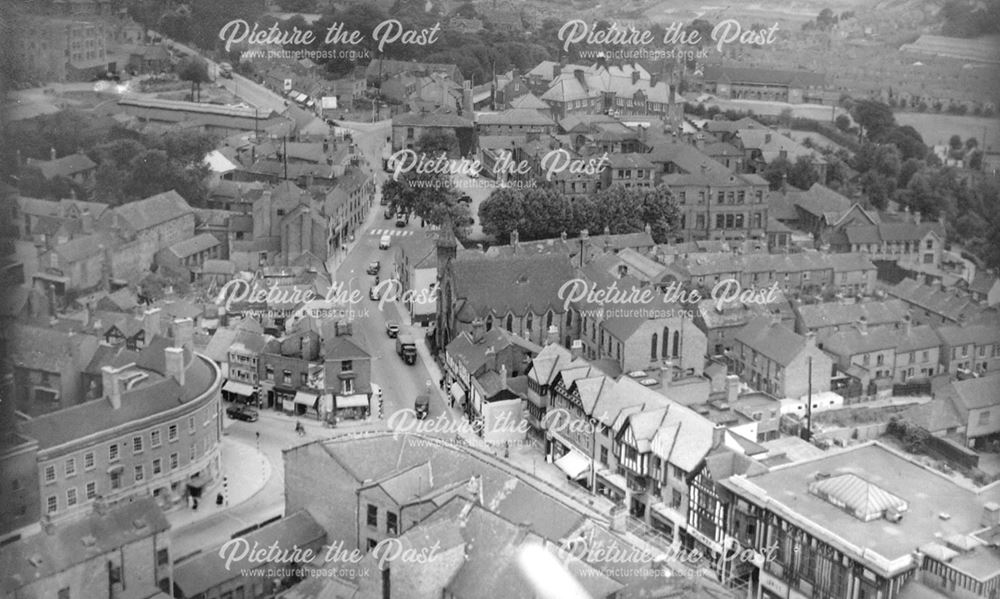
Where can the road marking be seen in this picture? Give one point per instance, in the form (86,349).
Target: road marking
(390,232)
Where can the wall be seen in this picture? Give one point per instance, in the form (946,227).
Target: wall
(503,421)
(330,498)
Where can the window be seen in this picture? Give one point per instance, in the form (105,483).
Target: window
(372,544)
(136,444)
(51,504)
(193,453)
(347,366)
(286,377)
(372,515)
(604,455)
(50,474)
(190,424)
(162,557)
(347,386)
(174,461)
(71,496)
(528,322)
(984,418)
(510,323)
(269,372)
(138,472)
(652,347)
(675,498)
(88,461)
(71,467)
(113,452)
(157,466)
(172,432)
(930,244)
(391,525)
(720,221)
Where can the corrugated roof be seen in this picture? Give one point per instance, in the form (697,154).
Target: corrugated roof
(858,497)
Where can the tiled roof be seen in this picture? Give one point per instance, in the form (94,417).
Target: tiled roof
(43,556)
(771,145)
(528,100)
(515,116)
(154,210)
(819,200)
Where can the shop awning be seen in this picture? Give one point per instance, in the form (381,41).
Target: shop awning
(238,388)
(305,398)
(457,391)
(574,464)
(614,478)
(352,401)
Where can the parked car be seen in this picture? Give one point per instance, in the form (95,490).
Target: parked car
(389,213)
(384,242)
(392,329)
(400,221)
(373,293)
(244,413)
(374,267)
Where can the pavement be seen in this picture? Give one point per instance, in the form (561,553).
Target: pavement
(246,471)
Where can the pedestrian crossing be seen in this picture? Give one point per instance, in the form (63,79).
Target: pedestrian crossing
(390,232)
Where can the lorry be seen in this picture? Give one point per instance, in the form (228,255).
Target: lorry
(406,347)
(422,406)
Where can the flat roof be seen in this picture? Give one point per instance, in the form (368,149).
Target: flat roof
(927,492)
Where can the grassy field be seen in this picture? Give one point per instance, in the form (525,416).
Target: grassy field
(936,129)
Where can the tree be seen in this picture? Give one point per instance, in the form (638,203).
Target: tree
(435,141)
(195,70)
(802,173)
(908,141)
(874,118)
(971,143)
(843,122)
(501,213)
(659,211)
(955,142)
(776,172)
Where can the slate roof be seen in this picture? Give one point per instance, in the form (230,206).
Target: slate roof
(516,116)
(81,248)
(154,210)
(970,333)
(758,76)
(528,100)
(937,415)
(430,119)
(775,341)
(473,355)
(194,245)
(511,284)
(946,303)
(975,393)
(706,264)
(852,341)
(78,542)
(206,571)
(67,166)
(47,350)
(771,144)
(829,314)
(820,200)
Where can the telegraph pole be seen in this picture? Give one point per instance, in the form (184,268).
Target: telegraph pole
(809,402)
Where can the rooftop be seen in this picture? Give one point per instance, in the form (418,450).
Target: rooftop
(927,493)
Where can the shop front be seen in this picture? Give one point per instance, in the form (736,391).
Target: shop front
(612,485)
(351,407)
(237,392)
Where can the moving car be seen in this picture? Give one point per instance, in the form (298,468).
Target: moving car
(389,213)
(225,70)
(391,329)
(400,221)
(373,293)
(374,267)
(422,406)
(244,413)
(384,242)
(406,347)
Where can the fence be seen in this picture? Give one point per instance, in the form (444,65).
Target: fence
(911,389)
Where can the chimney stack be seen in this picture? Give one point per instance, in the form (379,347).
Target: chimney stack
(908,324)
(52,153)
(503,375)
(810,339)
(862,324)
(491,359)
(111,383)
(151,323)
(175,363)
(552,335)
(478,330)
(184,333)
(991,514)
(576,348)
(718,435)
(732,388)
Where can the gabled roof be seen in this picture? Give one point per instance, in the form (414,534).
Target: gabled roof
(43,555)
(758,76)
(830,314)
(975,393)
(194,245)
(154,210)
(511,283)
(67,166)
(774,340)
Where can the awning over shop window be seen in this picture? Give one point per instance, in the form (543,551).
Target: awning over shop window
(238,388)
(305,398)
(574,464)
(352,401)
(457,392)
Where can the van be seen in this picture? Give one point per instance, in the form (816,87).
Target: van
(384,242)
